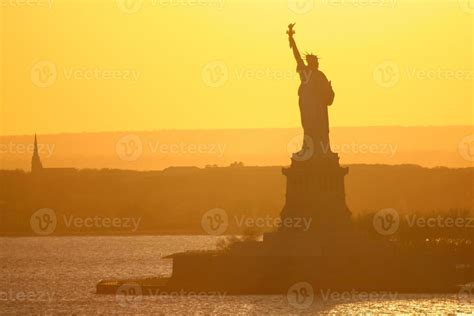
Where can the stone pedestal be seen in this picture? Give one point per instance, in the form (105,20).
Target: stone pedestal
(315,191)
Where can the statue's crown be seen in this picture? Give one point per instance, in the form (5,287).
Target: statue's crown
(311,57)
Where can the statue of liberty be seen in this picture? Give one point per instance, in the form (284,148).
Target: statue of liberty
(315,95)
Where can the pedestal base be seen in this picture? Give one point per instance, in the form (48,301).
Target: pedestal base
(315,192)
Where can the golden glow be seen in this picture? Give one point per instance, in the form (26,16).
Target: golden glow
(158,57)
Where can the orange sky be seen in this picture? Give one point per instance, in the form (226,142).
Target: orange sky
(72,66)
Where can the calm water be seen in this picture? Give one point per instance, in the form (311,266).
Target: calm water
(58,275)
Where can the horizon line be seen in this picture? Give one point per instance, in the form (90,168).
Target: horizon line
(211,166)
(225,129)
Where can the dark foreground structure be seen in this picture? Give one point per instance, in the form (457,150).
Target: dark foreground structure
(330,254)
(259,268)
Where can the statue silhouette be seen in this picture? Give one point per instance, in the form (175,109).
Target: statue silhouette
(315,181)
(315,95)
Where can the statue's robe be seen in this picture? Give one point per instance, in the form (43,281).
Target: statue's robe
(315,95)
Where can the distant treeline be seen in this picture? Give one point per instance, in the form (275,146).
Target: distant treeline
(173,201)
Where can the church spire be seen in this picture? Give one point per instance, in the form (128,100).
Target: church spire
(36,165)
(36,144)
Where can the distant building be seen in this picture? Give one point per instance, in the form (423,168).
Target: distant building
(180,170)
(37,166)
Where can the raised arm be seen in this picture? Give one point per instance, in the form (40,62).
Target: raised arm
(296,53)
